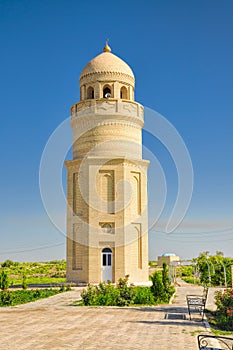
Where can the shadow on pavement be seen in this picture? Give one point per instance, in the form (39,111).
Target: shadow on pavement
(172,323)
(165,309)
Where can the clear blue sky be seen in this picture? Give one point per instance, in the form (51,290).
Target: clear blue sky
(182,56)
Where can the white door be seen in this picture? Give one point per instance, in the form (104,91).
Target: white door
(106,265)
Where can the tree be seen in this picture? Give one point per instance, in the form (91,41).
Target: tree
(24,282)
(165,277)
(219,253)
(4,280)
(8,263)
(214,269)
(157,287)
(161,285)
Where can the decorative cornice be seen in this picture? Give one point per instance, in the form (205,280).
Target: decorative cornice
(106,161)
(115,109)
(106,76)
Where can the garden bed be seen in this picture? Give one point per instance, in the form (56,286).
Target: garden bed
(222,318)
(17,297)
(123,294)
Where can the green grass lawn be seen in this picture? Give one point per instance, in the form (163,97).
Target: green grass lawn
(17,297)
(35,272)
(38,280)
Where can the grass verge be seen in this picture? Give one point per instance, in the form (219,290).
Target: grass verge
(17,297)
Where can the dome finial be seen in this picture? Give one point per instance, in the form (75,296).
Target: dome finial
(107,48)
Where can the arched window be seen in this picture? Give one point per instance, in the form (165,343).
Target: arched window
(124,94)
(90,92)
(107,92)
(106,250)
(107,264)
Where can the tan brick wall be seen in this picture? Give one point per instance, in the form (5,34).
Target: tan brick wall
(129,240)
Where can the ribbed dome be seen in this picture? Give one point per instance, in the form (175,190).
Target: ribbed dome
(109,64)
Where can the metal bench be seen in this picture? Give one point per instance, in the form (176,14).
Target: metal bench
(212,342)
(196,303)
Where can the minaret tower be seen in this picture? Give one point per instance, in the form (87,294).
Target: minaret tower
(107,223)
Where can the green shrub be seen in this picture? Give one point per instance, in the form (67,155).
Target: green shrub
(126,292)
(165,277)
(161,288)
(37,272)
(6,298)
(89,296)
(187,271)
(4,280)
(8,263)
(24,282)
(103,294)
(214,270)
(153,263)
(143,295)
(109,295)
(157,287)
(189,279)
(65,287)
(37,293)
(22,296)
(68,287)
(224,302)
(106,294)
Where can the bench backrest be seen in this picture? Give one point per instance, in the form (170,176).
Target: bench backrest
(208,342)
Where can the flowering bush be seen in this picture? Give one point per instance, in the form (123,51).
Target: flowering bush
(230,312)
(124,294)
(224,302)
(120,295)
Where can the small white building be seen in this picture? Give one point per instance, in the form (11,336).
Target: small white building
(168,258)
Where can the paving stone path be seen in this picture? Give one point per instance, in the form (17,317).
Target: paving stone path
(53,324)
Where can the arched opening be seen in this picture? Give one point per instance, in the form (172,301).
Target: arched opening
(90,92)
(139,244)
(106,250)
(107,191)
(124,93)
(136,198)
(107,92)
(106,264)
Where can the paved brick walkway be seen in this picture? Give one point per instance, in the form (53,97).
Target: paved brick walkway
(53,324)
